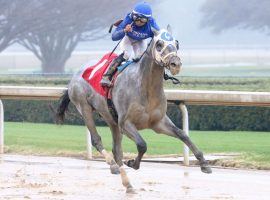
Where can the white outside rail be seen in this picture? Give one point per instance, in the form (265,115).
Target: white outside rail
(190,97)
(182,97)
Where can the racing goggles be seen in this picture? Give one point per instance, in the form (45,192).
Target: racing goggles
(141,18)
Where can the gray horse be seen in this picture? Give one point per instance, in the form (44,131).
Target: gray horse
(139,100)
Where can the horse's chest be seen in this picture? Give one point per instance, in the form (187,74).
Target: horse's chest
(144,117)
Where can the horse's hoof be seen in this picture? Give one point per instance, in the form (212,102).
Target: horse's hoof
(206,169)
(115,169)
(131,190)
(131,163)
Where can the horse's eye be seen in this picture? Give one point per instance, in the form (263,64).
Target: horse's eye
(159,45)
(177,44)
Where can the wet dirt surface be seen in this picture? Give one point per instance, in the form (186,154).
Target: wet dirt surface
(33,177)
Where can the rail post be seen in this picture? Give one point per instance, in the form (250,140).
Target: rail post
(1,127)
(89,144)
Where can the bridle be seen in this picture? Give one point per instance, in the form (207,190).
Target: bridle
(161,62)
(161,59)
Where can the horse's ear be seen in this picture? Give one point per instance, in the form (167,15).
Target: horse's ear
(169,29)
(155,31)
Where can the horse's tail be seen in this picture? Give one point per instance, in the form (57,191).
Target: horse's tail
(60,113)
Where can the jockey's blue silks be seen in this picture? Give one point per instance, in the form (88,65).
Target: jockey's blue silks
(133,42)
(143,12)
(138,33)
(116,24)
(132,32)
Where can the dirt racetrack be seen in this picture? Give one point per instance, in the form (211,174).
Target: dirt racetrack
(33,177)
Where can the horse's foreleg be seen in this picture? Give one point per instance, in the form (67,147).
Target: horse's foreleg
(167,127)
(133,134)
(117,144)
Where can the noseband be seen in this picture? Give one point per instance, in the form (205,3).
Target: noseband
(160,59)
(162,63)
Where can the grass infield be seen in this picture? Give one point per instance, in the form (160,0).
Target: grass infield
(49,139)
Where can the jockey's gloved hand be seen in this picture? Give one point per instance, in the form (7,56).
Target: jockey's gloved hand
(128,28)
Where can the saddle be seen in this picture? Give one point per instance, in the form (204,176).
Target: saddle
(93,76)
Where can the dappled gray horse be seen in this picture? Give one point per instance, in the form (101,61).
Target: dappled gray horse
(139,100)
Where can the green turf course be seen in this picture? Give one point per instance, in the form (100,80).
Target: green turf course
(49,139)
(252,84)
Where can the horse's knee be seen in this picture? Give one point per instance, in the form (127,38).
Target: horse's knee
(142,147)
(118,156)
(180,133)
(183,136)
(96,142)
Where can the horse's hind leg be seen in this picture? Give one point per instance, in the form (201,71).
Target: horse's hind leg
(117,144)
(133,134)
(167,127)
(87,114)
(116,136)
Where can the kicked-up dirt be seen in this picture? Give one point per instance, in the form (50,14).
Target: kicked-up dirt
(36,177)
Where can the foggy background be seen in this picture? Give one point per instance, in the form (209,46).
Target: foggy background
(234,51)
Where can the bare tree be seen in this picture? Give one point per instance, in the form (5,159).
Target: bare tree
(220,15)
(9,26)
(67,22)
(16,19)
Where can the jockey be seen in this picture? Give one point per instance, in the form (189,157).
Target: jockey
(133,30)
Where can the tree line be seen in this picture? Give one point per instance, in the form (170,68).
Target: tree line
(52,29)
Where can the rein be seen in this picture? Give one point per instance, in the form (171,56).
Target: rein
(174,80)
(165,76)
(115,48)
(110,30)
(145,50)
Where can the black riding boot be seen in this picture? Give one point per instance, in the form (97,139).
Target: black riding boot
(106,79)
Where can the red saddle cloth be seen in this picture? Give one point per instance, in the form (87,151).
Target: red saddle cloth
(93,74)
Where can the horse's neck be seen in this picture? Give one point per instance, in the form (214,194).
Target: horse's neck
(152,78)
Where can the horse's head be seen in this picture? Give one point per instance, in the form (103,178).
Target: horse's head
(164,50)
